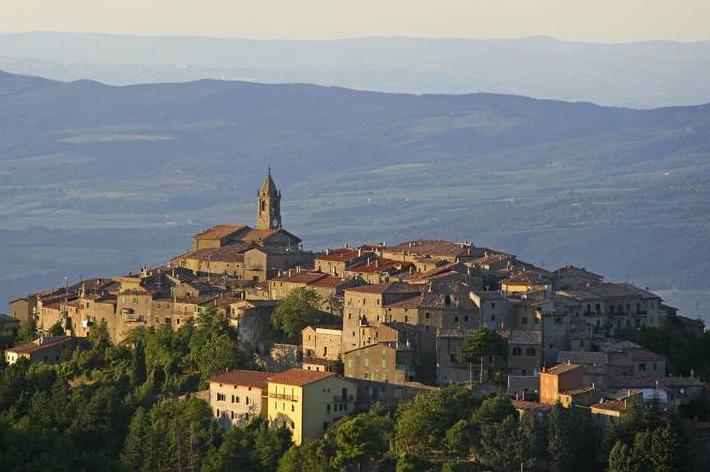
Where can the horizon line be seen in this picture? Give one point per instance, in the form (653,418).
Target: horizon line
(353,38)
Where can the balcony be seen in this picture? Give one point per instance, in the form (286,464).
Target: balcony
(284,396)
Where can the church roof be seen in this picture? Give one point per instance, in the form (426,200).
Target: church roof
(268,186)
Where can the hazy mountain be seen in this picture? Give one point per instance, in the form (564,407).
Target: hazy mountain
(641,75)
(98,179)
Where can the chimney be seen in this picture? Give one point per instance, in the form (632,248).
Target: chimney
(327,251)
(359,252)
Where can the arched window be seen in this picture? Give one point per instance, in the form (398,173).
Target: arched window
(517,351)
(530,352)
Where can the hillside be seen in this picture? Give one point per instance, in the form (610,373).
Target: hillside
(100,179)
(640,75)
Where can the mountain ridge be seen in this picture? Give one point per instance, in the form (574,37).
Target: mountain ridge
(99,178)
(640,75)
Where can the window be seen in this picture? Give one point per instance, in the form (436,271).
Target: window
(221,397)
(493,304)
(597,307)
(558,320)
(456,319)
(524,320)
(406,318)
(642,367)
(530,352)
(465,319)
(611,309)
(517,351)
(655,366)
(493,317)
(293,407)
(327,408)
(246,400)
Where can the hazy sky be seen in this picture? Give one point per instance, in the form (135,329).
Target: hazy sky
(585,20)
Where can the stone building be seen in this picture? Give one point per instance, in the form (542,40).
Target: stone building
(324,342)
(391,362)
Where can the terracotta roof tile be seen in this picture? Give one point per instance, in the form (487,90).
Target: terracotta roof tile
(299,377)
(247,378)
(389,287)
(340,255)
(562,368)
(219,231)
(35,346)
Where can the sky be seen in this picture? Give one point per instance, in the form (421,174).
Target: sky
(576,20)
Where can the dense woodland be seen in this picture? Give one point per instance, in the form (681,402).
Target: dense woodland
(129,408)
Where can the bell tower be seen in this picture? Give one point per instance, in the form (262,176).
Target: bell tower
(268,212)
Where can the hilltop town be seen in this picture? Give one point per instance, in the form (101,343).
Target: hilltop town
(388,322)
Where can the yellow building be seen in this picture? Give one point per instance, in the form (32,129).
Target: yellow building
(308,401)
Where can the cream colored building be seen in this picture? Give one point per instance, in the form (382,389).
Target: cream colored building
(308,401)
(238,394)
(44,349)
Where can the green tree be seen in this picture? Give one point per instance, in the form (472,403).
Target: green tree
(134,448)
(27,331)
(362,440)
(138,360)
(494,409)
(218,354)
(481,344)
(422,423)
(499,445)
(299,309)
(623,459)
(56,329)
(310,456)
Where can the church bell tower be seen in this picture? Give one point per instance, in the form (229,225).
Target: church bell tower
(268,214)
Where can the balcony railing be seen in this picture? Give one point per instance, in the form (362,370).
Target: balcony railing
(284,396)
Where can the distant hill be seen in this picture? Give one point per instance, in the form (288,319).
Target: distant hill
(640,75)
(98,179)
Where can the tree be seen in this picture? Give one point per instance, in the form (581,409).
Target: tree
(660,451)
(27,330)
(99,337)
(299,309)
(138,361)
(270,444)
(363,439)
(571,441)
(133,455)
(56,329)
(623,459)
(422,423)
(482,343)
(309,456)
(499,446)
(218,354)
(494,409)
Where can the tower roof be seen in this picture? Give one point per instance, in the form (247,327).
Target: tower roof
(268,186)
